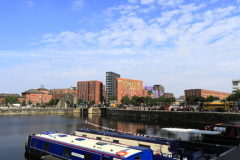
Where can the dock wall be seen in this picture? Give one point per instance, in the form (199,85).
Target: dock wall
(176,115)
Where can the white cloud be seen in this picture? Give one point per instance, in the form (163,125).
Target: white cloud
(132,1)
(170,3)
(30,4)
(147,1)
(189,45)
(213,1)
(77,5)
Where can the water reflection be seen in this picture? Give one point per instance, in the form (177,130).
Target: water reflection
(14,129)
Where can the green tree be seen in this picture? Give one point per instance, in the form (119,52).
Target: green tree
(235,96)
(162,99)
(125,100)
(148,100)
(210,98)
(29,102)
(57,100)
(134,100)
(23,102)
(112,98)
(79,101)
(191,99)
(52,102)
(93,102)
(38,104)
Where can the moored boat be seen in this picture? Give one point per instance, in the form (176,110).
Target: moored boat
(162,147)
(71,147)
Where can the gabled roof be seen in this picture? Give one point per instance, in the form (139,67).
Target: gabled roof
(6,94)
(42,88)
(32,91)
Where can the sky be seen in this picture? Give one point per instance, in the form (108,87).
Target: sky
(180,44)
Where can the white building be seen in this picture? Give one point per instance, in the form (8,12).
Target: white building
(235,84)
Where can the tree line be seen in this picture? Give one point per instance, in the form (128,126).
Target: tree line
(149,101)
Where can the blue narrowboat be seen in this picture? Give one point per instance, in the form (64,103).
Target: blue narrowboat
(72,147)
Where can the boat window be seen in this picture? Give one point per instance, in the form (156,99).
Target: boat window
(138,157)
(101,143)
(35,143)
(80,139)
(67,152)
(46,146)
(105,158)
(99,138)
(144,146)
(88,156)
(62,135)
(84,135)
(115,141)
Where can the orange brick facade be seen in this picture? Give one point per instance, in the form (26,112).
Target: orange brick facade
(129,87)
(92,90)
(205,93)
(145,93)
(59,93)
(41,97)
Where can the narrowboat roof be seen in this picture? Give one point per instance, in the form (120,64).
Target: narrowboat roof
(158,140)
(89,144)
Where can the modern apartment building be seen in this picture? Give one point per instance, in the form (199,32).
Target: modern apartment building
(91,90)
(235,84)
(129,87)
(159,89)
(205,93)
(111,84)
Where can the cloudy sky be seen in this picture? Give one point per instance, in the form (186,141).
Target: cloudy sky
(180,44)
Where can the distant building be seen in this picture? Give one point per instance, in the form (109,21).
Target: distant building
(235,84)
(169,95)
(145,93)
(205,93)
(72,88)
(159,90)
(40,95)
(4,95)
(59,93)
(128,87)
(181,98)
(111,84)
(91,90)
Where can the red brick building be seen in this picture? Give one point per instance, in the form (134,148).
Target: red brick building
(205,93)
(91,90)
(4,95)
(145,92)
(59,93)
(40,95)
(129,87)
(169,95)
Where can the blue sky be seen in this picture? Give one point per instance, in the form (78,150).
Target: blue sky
(180,44)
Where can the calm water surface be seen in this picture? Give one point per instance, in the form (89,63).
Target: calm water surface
(14,129)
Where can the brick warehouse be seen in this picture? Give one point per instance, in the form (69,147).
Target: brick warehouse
(40,95)
(129,87)
(59,93)
(205,93)
(92,90)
